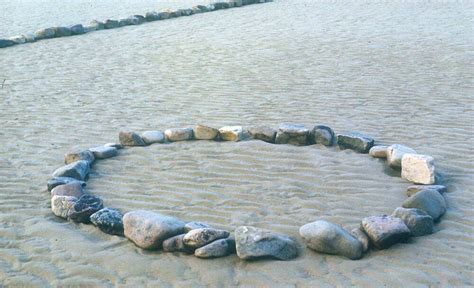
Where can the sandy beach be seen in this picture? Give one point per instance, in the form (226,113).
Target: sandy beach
(398,71)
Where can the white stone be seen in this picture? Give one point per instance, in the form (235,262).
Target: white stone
(418,169)
(378,151)
(395,153)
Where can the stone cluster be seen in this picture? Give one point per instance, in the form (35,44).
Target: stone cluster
(149,230)
(79,29)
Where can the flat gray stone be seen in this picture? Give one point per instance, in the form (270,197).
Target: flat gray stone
(231,133)
(62,205)
(62,31)
(418,169)
(108,221)
(104,152)
(85,155)
(413,189)
(176,244)
(360,235)
(293,134)
(325,237)
(46,33)
(355,141)
(252,243)
(202,132)
(148,230)
(56,181)
(322,135)
(179,134)
(77,170)
(127,138)
(218,248)
(417,220)
(385,231)
(152,137)
(430,201)
(197,238)
(221,5)
(378,151)
(111,24)
(194,225)
(395,154)
(263,133)
(74,189)
(84,207)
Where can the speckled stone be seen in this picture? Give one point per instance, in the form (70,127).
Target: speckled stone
(85,155)
(127,138)
(77,170)
(84,208)
(355,141)
(179,134)
(385,231)
(62,205)
(293,134)
(108,221)
(74,189)
(218,248)
(197,238)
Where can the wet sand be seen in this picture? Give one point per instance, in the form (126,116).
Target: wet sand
(400,72)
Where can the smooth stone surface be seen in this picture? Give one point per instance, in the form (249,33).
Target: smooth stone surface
(203,8)
(111,24)
(148,230)
(197,238)
(152,16)
(77,170)
(252,243)
(104,152)
(114,145)
(263,133)
(151,137)
(385,231)
(179,134)
(360,235)
(293,134)
(84,208)
(202,132)
(85,155)
(218,248)
(231,133)
(413,189)
(97,25)
(418,169)
(74,189)
(430,201)
(62,31)
(56,181)
(355,141)
(45,33)
(186,12)
(321,134)
(77,29)
(196,10)
(130,139)
(194,225)
(378,151)
(418,221)
(329,238)
(6,43)
(221,5)
(62,205)
(176,244)
(108,221)
(395,154)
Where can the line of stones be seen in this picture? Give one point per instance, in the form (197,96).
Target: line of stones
(79,29)
(149,230)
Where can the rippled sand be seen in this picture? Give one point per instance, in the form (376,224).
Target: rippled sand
(400,72)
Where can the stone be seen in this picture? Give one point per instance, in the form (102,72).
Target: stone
(218,248)
(151,137)
(186,12)
(252,243)
(130,139)
(263,133)
(62,31)
(30,37)
(148,230)
(197,238)
(231,133)
(210,8)
(19,39)
(84,208)
(85,155)
(152,16)
(74,189)
(430,201)
(196,10)
(97,25)
(385,231)
(124,22)
(236,3)
(103,152)
(194,225)
(221,5)
(111,24)
(418,169)
(108,221)
(77,170)
(176,244)
(202,132)
(56,181)
(293,134)
(6,43)
(45,33)
(413,189)
(164,15)
(360,235)
(141,18)
(133,20)
(378,151)
(355,141)
(322,135)
(114,145)
(175,13)
(62,205)
(77,29)
(203,8)
(179,134)
(329,238)
(418,221)
(395,153)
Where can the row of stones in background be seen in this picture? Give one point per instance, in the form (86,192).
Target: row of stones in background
(79,29)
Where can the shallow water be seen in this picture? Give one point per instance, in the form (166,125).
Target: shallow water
(400,72)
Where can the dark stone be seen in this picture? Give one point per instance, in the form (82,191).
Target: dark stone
(111,24)
(355,141)
(385,231)
(322,135)
(56,181)
(130,139)
(62,31)
(6,43)
(77,170)
(430,201)
(77,29)
(202,8)
(292,134)
(176,244)
(84,208)
(221,5)
(186,12)
(45,34)
(152,16)
(417,220)
(108,220)
(218,248)
(197,238)
(194,225)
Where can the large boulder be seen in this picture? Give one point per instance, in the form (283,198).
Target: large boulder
(293,134)
(395,154)
(321,134)
(413,189)
(104,152)
(218,248)
(197,238)
(254,243)
(56,181)
(62,206)
(74,189)
(263,133)
(152,137)
(202,132)
(355,141)
(77,170)
(127,138)
(85,155)
(325,237)
(430,201)
(418,169)
(418,221)
(179,134)
(385,231)
(108,221)
(231,133)
(84,208)
(148,230)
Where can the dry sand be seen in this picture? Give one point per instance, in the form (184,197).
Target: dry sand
(400,72)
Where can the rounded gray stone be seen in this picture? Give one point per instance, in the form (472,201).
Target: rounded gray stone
(77,170)
(263,133)
(176,244)
(151,137)
(56,181)
(128,138)
(104,152)
(430,201)
(418,221)
(74,189)
(413,189)
(322,135)
(218,248)
(378,151)
(197,238)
